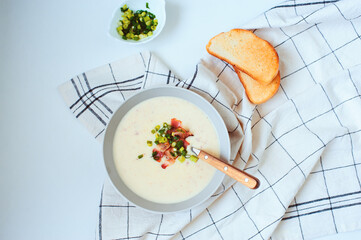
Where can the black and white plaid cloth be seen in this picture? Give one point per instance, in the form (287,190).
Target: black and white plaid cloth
(304,144)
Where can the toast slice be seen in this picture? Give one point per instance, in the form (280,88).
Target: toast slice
(256,92)
(247,52)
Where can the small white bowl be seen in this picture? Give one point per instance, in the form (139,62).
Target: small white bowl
(157,7)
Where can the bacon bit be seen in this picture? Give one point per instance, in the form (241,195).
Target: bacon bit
(175,123)
(185,143)
(181,133)
(169,156)
(164,166)
(169,159)
(158,155)
(162,147)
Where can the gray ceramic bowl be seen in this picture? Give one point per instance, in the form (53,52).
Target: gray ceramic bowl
(108,148)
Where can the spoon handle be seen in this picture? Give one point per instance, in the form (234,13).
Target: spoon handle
(231,171)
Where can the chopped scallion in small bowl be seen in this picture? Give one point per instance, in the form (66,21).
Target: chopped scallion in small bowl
(138,21)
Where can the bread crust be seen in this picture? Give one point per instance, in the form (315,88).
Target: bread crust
(256,92)
(243,69)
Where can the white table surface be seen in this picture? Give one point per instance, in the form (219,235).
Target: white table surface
(51,169)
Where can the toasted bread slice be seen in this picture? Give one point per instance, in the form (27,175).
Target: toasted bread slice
(256,92)
(247,52)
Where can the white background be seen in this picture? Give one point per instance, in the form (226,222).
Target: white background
(51,169)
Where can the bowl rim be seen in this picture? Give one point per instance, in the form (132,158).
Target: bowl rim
(115,179)
(161,24)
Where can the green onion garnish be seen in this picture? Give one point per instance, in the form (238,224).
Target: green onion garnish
(140,156)
(179,144)
(149,143)
(181,159)
(154,155)
(124,8)
(193,158)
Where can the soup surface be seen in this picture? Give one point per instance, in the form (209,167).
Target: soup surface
(145,176)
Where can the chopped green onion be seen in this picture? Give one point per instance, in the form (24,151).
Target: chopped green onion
(151,15)
(147,5)
(173,144)
(193,158)
(181,149)
(154,155)
(184,153)
(134,25)
(149,143)
(153,131)
(181,159)
(140,156)
(124,8)
(157,127)
(179,144)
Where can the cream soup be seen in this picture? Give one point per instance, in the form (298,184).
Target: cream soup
(145,176)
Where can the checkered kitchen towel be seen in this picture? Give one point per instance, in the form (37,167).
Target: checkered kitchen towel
(304,144)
